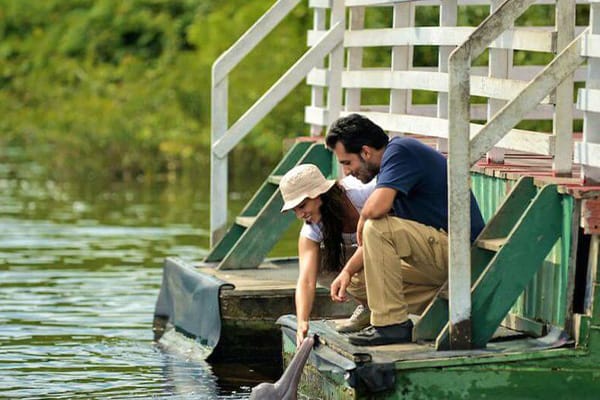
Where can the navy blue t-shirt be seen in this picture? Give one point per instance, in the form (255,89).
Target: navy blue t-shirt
(419,175)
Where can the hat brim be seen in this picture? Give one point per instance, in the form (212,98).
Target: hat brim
(319,190)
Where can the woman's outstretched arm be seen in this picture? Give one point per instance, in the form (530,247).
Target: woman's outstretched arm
(309,259)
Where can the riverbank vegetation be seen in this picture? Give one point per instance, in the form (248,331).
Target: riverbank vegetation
(121,89)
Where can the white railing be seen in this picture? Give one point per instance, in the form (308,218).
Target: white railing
(223,137)
(463,152)
(588,151)
(513,92)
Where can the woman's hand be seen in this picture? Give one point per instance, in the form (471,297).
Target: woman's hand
(339,285)
(301,332)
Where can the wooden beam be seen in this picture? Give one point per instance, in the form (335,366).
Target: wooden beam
(459,215)
(278,91)
(527,39)
(250,39)
(563,65)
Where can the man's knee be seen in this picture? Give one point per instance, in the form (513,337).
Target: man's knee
(386,224)
(375,226)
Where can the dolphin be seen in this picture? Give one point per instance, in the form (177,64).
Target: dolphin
(286,388)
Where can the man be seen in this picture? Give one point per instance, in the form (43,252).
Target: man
(402,226)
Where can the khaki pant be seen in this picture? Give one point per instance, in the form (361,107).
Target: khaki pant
(405,265)
(357,287)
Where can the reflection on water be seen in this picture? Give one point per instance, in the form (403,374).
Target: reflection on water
(80,268)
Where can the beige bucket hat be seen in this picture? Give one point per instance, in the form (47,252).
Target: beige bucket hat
(301,182)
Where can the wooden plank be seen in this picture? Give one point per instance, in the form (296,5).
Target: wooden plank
(218,165)
(491,28)
(479,112)
(591,120)
(317,92)
(246,222)
(499,64)
(498,88)
(336,62)
(355,55)
(562,66)
(526,39)
(516,139)
(220,249)
(563,117)
(459,216)
(399,80)
(387,3)
(518,73)
(258,239)
(588,100)
(590,45)
(274,179)
(317,77)
(587,154)
(510,210)
(278,91)
(250,39)
(491,244)
(525,325)
(435,317)
(319,3)
(316,115)
(514,266)
(448,17)
(403,16)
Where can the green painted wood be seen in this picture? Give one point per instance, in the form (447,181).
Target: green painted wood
(266,190)
(510,210)
(494,382)
(596,304)
(250,249)
(222,247)
(435,317)
(256,203)
(513,267)
(432,320)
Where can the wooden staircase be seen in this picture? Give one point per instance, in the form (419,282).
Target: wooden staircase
(504,259)
(260,225)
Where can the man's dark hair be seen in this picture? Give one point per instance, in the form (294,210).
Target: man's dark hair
(355,131)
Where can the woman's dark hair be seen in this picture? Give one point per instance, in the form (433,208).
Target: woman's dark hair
(332,217)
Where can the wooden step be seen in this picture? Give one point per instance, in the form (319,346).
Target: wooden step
(512,268)
(245,221)
(491,244)
(274,179)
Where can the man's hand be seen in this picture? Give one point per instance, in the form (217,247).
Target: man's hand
(301,332)
(339,285)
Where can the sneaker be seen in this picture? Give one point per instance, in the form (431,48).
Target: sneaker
(360,319)
(379,335)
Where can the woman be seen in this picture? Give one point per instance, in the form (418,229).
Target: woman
(327,241)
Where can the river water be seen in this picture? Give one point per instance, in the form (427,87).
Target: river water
(80,267)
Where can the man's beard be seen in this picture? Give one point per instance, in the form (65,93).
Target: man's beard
(367,171)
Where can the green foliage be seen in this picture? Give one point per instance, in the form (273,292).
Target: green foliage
(122,88)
